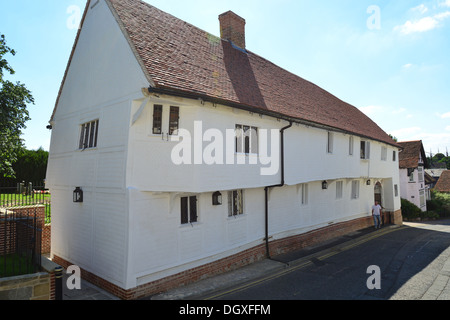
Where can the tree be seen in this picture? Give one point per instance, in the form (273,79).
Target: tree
(31,165)
(13,113)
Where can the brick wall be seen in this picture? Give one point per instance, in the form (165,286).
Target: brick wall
(9,228)
(234,262)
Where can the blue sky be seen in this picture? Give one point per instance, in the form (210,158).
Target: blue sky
(390,59)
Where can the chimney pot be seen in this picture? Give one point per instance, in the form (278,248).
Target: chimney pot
(232,28)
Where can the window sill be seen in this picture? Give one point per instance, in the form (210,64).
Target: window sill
(87,149)
(190,225)
(236,217)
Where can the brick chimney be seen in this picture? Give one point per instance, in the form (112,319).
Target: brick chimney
(232,28)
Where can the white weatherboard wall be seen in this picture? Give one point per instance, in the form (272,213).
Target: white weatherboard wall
(160,246)
(103,78)
(128,229)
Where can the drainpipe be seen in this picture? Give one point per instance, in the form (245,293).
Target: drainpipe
(266,189)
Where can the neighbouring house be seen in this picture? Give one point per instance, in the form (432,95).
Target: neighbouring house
(412,162)
(443,184)
(435,174)
(176,155)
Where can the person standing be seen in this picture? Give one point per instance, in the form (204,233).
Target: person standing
(376,213)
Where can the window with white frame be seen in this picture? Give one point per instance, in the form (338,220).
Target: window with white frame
(339,189)
(383,153)
(394,156)
(235,203)
(350,146)
(246,139)
(422,198)
(396,190)
(421,174)
(355,189)
(88,135)
(304,194)
(330,142)
(365,150)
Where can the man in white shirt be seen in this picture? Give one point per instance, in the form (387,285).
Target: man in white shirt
(376,213)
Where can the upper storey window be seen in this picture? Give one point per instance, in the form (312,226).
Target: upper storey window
(88,135)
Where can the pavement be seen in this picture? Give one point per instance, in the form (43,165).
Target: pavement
(249,274)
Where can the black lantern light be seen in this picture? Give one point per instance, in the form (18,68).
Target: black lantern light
(217,198)
(368,182)
(324,185)
(78,195)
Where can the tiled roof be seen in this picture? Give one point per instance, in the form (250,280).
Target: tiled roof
(409,157)
(178,56)
(443,184)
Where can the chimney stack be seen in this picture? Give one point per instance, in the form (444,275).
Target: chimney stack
(232,28)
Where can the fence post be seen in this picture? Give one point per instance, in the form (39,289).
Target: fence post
(58,283)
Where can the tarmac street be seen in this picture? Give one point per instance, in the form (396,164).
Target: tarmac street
(413,263)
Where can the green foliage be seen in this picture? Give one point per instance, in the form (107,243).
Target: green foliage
(440,204)
(13,113)
(440,158)
(31,165)
(409,210)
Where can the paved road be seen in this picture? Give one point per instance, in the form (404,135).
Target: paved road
(414,264)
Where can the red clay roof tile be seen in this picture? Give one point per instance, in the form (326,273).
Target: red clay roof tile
(409,157)
(443,184)
(179,56)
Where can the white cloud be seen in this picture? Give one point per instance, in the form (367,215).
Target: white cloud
(446,3)
(421,8)
(407,66)
(442,15)
(431,141)
(445,115)
(423,24)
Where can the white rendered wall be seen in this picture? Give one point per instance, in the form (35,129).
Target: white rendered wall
(411,190)
(102,80)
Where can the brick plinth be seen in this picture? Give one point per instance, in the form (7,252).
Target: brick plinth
(231,263)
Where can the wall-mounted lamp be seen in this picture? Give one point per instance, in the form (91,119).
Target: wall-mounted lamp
(217,198)
(368,182)
(78,195)
(324,185)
